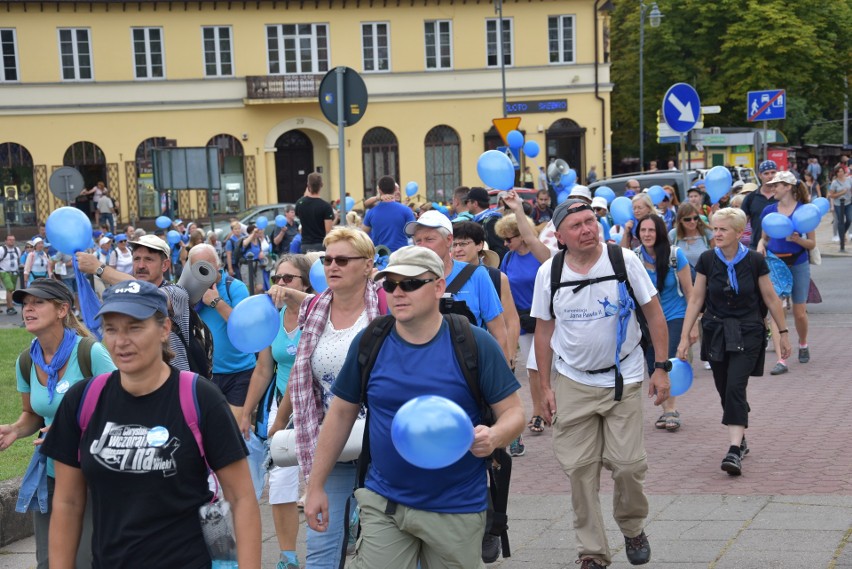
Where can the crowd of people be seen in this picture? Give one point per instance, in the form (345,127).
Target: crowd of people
(588,308)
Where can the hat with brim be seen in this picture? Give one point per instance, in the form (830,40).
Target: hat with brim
(490,258)
(412,261)
(782,177)
(431,218)
(48,289)
(749,187)
(137,299)
(152,242)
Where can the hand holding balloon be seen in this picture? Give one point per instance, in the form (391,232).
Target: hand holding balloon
(253,324)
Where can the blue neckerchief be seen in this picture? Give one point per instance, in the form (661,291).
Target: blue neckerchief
(60,358)
(486,214)
(742,251)
(647,257)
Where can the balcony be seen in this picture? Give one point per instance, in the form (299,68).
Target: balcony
(260,88)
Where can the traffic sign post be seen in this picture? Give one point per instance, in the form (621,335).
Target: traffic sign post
(514,155)
(66,183)
(682,111)
(767,105)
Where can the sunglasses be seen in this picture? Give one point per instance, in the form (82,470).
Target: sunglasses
(694,218)
(341,261)
(285,278)
(408,285)
(509,239)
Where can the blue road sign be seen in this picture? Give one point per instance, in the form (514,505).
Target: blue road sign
(681,107)
(767,105)
(514,155)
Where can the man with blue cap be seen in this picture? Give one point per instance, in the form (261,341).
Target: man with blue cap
(754,203)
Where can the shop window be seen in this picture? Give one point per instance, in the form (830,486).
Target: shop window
(16,182)
(443,163)
(231,197)
(380,153)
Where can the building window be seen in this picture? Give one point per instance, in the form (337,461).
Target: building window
(218,57)
(231,195)
(148,53)
(17,206)
(380,153)
(439,44)
(494,48)
(151,203)
(375,46)
(75,53)
(8,55)
(443,163)
(560,38)
(297,48)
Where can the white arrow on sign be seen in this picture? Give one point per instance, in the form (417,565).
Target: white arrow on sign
(686,114)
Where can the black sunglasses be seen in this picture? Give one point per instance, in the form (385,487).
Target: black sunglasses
(408,285)
(285,278)
(694,218)
(341,261)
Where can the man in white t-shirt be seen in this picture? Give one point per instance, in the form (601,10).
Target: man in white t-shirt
(593,426)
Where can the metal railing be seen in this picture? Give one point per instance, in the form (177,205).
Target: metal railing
(282,86)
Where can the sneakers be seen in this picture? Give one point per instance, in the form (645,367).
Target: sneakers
(516,447)
(287,564)
(732,464)
(707,365)
(490,548)
(589,563)
(638,549)
(836,238)
(779,369)
(804,355)
(11,310)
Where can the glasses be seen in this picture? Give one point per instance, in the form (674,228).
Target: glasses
(408,285)
(462,244)
(509,239)
(285,278)
(341,261)
(694,218)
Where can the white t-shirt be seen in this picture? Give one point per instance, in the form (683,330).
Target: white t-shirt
(330,353)
(122,262)
(105,204)
(586,321)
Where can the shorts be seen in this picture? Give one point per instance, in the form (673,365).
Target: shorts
(283,480)
(801,282)
(9,280)
(234,386)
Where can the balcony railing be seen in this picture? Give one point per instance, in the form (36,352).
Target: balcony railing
(282,86)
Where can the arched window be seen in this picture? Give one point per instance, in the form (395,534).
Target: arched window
(443,163)
(16,183)
(149,204)
(380,151)
(231,195)
(90,161)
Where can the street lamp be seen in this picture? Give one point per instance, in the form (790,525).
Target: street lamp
(655,16)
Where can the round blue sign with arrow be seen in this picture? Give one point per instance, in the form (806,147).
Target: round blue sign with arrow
(681,107)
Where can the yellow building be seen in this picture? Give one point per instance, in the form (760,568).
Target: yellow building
(99,85)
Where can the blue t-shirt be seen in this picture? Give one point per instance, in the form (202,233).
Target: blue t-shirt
(284,352)
(782,247)
(673,304)
(403,371)
(387,224)
(226,358)
(478,292)
(101,363)
(521,271)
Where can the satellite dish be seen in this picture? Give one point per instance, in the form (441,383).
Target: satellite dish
(556,170)
(66,183)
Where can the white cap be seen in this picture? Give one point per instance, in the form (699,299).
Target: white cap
(431,218)
(600,201)
(104,240)
(579,191)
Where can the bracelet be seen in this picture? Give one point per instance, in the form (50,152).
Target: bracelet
(783,331)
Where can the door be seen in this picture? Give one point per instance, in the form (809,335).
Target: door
(294,160)
(565,140)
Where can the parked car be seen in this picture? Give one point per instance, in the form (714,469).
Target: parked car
(745,175)
(526,194)
(247,216)
(647,179)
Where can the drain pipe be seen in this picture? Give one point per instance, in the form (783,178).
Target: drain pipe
(604,172)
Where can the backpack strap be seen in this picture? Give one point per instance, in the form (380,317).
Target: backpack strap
(189,407)
(673,267)
(89,402)
(467,354)
(461,278)
(25,364)
(556,277)
(84,355)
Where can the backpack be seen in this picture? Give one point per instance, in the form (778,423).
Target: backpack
(616,258)
(449,305)
(84,358)
(672,264)
(16,250)
(199,346)
(466,352)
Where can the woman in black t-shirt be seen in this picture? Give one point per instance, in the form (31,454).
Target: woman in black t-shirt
(140,458)
(733,287)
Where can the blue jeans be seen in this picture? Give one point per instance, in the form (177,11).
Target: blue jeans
(325,548)
(675,328)
(107,218)
(843,214)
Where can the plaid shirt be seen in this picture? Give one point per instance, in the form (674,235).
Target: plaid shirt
(305,391)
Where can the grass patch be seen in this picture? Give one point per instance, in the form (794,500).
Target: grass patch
(15,459)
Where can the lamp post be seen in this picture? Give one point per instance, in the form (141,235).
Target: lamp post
(498,9)
(655,17)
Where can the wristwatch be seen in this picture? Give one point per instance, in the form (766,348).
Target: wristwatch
(100,270)
(666,365)
(215,302)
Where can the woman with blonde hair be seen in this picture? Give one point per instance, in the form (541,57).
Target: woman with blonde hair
(63,353)
(643,206)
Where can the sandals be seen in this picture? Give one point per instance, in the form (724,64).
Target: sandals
(669,421)
(536,424)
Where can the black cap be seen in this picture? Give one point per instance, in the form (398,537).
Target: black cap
(566,208)
(49,289)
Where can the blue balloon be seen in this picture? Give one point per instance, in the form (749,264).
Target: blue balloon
(657,194)
(569,178)
(806,218)
(317,277)
(717,183)
(261,222)
(531,148)
(431,432)
(69,230)
(621,210)
(350,203)
(173,237)
(253,324)
(562,196)
(823,205)
(777,225)
(680,377)
(280,220)
(411,188)
(606,193)
(496,170)
(515,139)
(163,222)
(616,237)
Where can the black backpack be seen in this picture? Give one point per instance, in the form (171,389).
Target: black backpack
(199,345)
(616,258)
(84,359)
(466,352)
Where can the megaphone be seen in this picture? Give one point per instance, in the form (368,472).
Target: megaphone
(197,278)
(556,169)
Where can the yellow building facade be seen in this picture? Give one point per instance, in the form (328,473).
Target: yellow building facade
(100,85)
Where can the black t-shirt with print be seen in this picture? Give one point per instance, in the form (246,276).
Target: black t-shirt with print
(145,474)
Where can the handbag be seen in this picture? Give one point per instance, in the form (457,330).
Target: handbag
(814,297)
(815,257)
